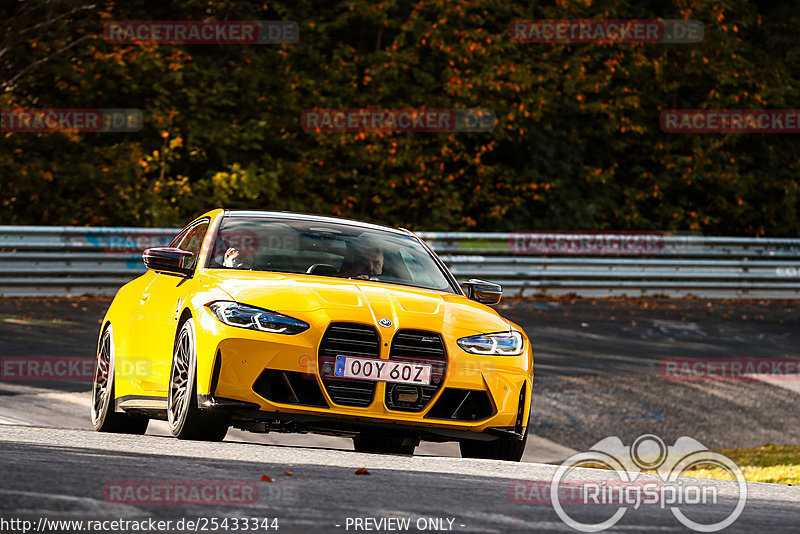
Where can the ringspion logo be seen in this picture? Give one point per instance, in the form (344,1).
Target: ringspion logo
(631,490)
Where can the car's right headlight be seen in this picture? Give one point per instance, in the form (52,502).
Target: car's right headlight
(499,344)
(252,318)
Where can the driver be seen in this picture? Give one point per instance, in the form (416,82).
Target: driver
(363,263)
(237,259)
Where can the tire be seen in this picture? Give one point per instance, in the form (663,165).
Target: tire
(503,448)
(186,420)
(104,418)
(382,445)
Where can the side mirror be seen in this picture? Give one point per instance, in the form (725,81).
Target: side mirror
(167,260)
(483,291)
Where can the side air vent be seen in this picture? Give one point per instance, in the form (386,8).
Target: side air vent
(416,346)
(348,339)
(462,405)
(520,410)
(289,387)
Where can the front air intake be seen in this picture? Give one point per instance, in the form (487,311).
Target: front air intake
(348,339)
(416,346)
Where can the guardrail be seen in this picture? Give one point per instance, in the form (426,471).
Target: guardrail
(61,260)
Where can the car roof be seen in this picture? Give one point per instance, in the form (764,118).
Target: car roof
(314,218)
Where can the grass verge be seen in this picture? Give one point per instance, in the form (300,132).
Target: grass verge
(770,463)
(777,464)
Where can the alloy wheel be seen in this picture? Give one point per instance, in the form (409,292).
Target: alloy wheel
(102,373)
(181,376)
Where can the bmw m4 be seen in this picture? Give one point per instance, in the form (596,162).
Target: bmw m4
(281,322)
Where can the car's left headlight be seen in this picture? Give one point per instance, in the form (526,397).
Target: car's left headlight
(500,344)
(252,318)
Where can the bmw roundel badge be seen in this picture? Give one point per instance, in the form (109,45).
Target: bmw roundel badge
(386,323)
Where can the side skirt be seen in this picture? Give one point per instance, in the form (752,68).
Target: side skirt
(153,407)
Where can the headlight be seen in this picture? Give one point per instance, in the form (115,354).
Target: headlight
(243,316)
(500,344)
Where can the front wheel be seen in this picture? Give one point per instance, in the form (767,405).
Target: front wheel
(186,420)
(503,448)
(104,418)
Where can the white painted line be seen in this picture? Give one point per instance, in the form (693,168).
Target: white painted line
(124,510)
(83,398)
(9,421)
(785,383)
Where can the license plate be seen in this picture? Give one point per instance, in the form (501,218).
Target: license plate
(383,370)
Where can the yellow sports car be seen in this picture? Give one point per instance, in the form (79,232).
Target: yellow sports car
(283,322)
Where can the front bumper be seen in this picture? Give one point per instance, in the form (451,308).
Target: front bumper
(250,416)
(232,363)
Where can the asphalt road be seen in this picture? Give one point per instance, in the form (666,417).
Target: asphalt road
(597,366)
(64,474)
(597,375)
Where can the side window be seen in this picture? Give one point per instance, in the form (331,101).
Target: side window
(191,241)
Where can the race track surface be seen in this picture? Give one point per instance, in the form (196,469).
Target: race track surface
(62,474)
(597,375)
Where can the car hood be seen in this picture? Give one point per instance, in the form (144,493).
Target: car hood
(358,301)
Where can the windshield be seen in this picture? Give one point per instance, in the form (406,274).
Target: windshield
(325,249)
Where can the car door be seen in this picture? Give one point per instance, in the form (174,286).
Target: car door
(163,301)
